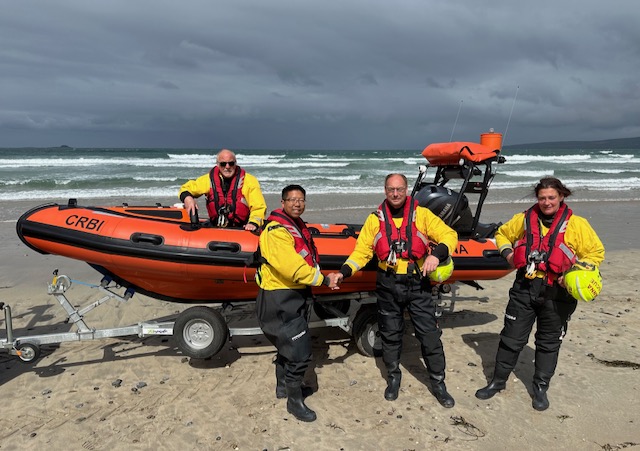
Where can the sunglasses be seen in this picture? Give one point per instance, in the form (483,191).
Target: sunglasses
(227,163)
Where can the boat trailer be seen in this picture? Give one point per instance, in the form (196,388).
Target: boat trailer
(201,331)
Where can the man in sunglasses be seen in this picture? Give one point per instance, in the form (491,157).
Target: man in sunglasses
(234,198)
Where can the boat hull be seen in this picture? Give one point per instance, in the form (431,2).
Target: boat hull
(157,251)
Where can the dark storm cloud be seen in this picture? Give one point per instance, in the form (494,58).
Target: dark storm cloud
(334,74)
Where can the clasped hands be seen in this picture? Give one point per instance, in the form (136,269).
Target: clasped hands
(335,279)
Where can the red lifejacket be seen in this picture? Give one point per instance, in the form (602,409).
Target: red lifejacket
(555,256)
(301,235)
(231,203)
(407,241)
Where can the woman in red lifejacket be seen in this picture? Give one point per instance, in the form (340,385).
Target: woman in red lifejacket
(542,243)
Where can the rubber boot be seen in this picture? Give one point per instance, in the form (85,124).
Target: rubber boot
(296,405)
(540,386)
(439,390)
(394,376)
(498,383)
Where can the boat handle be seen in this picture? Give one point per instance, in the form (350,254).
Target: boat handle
(146,238)
(218,246)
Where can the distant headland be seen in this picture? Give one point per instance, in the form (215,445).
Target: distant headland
(622,143)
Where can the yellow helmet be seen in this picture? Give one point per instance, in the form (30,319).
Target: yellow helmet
(583,281)
(443,271)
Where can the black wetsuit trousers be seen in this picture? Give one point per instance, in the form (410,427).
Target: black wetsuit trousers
(282,315)
(532,301)
(394,293)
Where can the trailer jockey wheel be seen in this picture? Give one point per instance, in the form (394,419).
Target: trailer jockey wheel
(365,331)
(200,332)
(28,352)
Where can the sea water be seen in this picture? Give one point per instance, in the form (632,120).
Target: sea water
(57,174)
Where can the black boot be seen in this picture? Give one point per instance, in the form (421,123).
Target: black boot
(296,405)
(394,376)
(540,386)
(439,390)
(498,383)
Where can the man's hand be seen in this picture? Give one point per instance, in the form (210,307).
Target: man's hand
(334,280)
(430,264)
(190,205)
(250,227)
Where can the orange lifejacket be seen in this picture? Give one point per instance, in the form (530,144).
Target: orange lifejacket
(304,244)
(406,241)
(231,203)
(549,253)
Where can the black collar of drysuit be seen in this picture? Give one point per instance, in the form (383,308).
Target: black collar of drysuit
(397,212)
(546,220)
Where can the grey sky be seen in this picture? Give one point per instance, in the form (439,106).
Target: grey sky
(351,74)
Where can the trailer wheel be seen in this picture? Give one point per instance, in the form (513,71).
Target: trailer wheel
(323,313)
(200,332)
(365,331)
(28,352)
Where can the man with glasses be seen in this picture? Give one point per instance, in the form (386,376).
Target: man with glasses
(289,268)
(233,196)
(399,234)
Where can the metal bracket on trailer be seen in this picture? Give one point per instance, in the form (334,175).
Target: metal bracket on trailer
(27,347)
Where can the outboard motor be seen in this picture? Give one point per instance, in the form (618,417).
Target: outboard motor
(441,200)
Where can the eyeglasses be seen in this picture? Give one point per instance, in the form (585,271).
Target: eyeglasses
(227,163)
(296,201)
(390,190)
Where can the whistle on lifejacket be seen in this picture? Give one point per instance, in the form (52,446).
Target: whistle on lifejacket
(534,258)
(392,259)
(396,247)
(223,220)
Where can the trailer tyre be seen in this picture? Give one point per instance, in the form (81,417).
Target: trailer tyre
(200,332)
(365,332)
(28,352)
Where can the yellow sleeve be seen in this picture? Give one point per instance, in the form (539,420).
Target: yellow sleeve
(257,205)
(437,230)
(197,187)
(583,240)
(510,232)
(277,246)
(363,250)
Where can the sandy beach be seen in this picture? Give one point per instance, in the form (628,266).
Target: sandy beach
(133,393)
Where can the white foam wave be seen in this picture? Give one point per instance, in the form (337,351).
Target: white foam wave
(532,174)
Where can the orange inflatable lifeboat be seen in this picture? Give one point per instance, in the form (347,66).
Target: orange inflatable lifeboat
(158,251)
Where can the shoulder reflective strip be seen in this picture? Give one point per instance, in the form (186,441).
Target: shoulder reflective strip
(567,251)
(293,231)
